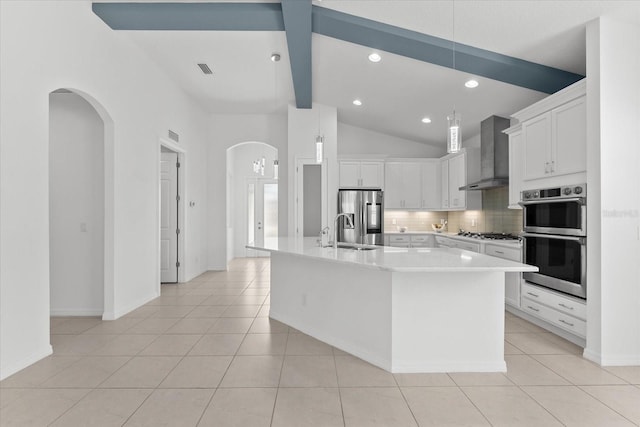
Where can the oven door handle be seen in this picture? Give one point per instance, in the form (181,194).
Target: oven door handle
(580,200)
(580,240)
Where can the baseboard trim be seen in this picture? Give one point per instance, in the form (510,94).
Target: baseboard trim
(58,312)
(7,371)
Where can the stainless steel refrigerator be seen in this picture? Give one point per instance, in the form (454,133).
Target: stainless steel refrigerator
(366,209)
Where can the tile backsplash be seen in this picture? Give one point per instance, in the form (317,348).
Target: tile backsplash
(494,217)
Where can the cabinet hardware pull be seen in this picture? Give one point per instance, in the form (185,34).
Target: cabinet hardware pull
(553,166)
(565,322)
(533,295)
(533,308)
(565,306)
(500,252)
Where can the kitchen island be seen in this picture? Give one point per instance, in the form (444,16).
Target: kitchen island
(404,310)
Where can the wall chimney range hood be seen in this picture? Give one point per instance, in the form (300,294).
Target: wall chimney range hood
(494,155)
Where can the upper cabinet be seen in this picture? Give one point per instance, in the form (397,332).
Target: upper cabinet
(412,184)
(361,173)
(552,139)
(515,166)
(456,171)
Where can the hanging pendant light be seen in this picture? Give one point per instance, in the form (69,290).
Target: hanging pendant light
(319,148)
(454,137)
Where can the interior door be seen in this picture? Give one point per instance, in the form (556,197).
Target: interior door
(169,217)
(262,214)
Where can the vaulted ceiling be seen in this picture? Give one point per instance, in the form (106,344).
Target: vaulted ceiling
(519,51)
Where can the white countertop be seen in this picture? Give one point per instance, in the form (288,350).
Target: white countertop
(505,243)
(397,259)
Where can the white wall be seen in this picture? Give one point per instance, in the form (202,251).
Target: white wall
(225,131)
(613,155)
(76,206)
(356,142)
(66,46)
(243,157)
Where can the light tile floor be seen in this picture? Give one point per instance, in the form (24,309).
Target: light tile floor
(205,353)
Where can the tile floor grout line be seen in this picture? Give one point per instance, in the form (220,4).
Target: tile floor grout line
(604,403)
(405,399)
(474,404)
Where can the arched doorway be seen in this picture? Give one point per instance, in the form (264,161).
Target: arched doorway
(80,203)
(252,197)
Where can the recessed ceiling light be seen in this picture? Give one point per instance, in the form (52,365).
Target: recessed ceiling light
(426,120)
(471,83)
(375,57)
(275,57)
(357,102)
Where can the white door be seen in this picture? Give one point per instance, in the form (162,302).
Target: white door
(169,217)
(262,214)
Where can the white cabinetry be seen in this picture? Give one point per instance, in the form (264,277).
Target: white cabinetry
(447,242)
(402,185)
(431,185)
(361,173)
(456,171)
(515,166)
(553,137)
(560,310)
(399,241)
(512,281)
(410,240)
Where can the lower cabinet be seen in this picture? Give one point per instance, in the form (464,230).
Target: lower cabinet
(555,308)
(410,240)
(512,281)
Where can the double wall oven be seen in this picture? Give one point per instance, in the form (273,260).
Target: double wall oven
(555,237)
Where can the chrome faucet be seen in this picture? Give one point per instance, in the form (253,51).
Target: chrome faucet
(335,227)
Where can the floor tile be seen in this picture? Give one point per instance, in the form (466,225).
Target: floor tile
(509,407)
(574,407)
(171,407)
(75,325)
(265,325)
(142,372)
(87,372)
(198,372)
(624,399)
(423,380)
(534,344)
(353,372)
(217,345)
(256,291)
(250,300)
(256,344)
(480,378)
(173,311)
(631,374)
(375,406)
(118,326)
(207,311)
(240,407)
(510,349)
(191,326)
(153,326)
(40,407)
(301,344)
(103,408)
(74,345)
(264,311)
(309,371)
(231,326)
(39,372)
(171,345)
(125,345)
(241,311)
(578,370)
(442,406)
(524,370)
(10,395)
(253,371)
(141,312)
(308,407)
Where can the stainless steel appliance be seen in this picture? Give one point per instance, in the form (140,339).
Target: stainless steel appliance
(555,230)
(488,236)
(494,155)
(366,210)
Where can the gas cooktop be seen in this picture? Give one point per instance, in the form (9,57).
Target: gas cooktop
(489,236)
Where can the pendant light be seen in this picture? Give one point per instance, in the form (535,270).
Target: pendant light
(275,169)
(454,138)
(319,148)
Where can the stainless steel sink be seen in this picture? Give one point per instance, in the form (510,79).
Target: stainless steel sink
(357,247)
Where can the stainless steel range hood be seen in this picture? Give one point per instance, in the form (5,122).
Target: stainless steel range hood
(494,155)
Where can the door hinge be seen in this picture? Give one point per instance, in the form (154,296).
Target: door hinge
(177,231)
(177,263)
(177,164)
(177,198)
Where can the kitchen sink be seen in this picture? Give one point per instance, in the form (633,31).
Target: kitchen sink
(356,247)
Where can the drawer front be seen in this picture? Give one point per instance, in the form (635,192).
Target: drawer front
(473,247)
(558,302)
(419,244)
(556,318)
(394,238)
(400,244)
(512,254)
(420,238)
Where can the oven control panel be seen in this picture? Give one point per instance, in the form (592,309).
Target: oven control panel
(579,190)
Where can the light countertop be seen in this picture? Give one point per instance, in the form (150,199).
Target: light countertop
(396,259)
(505,243)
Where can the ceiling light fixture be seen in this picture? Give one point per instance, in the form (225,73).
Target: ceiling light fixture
(426,120)
(205,68)
(275,57)
(319,148)
(357,102)
(375,57)
(275,169)
(453,121)
(471,83)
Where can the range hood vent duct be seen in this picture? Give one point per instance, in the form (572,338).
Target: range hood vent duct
(494,155)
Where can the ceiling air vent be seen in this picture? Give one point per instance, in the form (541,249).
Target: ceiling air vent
(174,136)
(205,68)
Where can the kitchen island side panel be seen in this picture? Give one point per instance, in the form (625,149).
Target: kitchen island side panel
(444,322)
(346,306)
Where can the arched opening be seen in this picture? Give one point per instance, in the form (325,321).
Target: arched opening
(252,197)
(80,206)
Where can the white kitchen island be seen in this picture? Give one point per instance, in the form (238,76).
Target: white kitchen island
(404,310)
